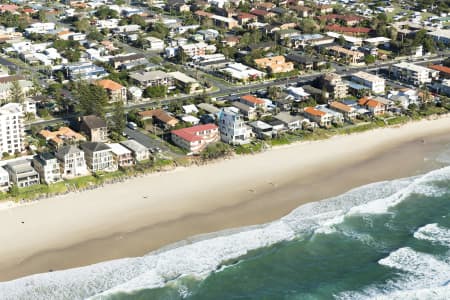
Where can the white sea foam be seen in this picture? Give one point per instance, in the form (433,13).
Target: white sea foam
(419,274)
(434,233)
(199,258)
(420,185)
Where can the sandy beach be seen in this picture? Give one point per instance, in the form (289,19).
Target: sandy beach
(142,214)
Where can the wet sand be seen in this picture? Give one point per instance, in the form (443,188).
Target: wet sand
(143,214)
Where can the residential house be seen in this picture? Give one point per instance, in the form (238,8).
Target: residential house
(275,64)
(245,18)
(99,157)
(64,135)
(232,127)
(323,119)
(4,180)
(305,62)
(195,139)
(116,92)
(337,117)
(261,129)
(240,72)
(47,165)
(139,151)
(291,122)
(249,112)
(71,160)
(128,61)
(375,107)
(123,156)
(21,173)
(12,135)
(253,101)
(356,31)
(347,111)
(158,117)
(444,72)
(95,128)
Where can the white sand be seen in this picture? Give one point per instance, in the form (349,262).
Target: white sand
(70,219)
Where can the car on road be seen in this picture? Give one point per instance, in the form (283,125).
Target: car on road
(132,125)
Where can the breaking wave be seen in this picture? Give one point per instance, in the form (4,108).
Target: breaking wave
(198,257)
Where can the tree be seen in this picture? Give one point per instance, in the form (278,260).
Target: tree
(118,121)
(155,91)
(104,12)
(15,93)
(369,59)
(92,99)
(138,20)
(42,16)
(159,30)
(82,25)
(95,35)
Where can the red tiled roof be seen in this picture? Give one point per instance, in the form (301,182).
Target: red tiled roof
(440,68)
(109,84)
(338,28)
(243,15)
(190,134)
(259,12)
(314,112)
(369,102)
(252,99)
(341,17)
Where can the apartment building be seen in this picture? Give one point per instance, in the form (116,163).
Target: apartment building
(275,64)
(375,83)
(84,71)
(116,92)
(353,57)
(334,84)
(11,128)
(152,78)
(197,49)
(414,74)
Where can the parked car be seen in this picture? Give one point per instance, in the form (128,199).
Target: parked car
(132,125)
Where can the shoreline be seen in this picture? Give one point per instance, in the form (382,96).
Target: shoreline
(83,228)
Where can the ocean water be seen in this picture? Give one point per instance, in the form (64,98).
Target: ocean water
(386,240)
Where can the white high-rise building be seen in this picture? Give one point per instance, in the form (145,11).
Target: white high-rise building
(11,128)
(232,127)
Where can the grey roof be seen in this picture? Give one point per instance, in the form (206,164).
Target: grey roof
(93,121)
(208,108)
(134,145)
(94,146)
(242,106)
(20,166)
(43,158)
(67,149)
(286,117)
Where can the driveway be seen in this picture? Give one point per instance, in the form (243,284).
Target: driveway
(148,141)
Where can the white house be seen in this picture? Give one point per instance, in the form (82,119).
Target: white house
(232,127)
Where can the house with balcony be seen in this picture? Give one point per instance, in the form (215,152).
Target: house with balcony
(375,107)
(21,173)
(139,151)
(84,71)
(232,127)
(47,165)
(275,64)
(99,157)
(349,112)
(123,156)
(323,119)
(71,161)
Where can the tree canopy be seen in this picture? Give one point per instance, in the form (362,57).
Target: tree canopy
(92,99)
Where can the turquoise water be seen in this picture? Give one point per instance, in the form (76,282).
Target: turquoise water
(388,240)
